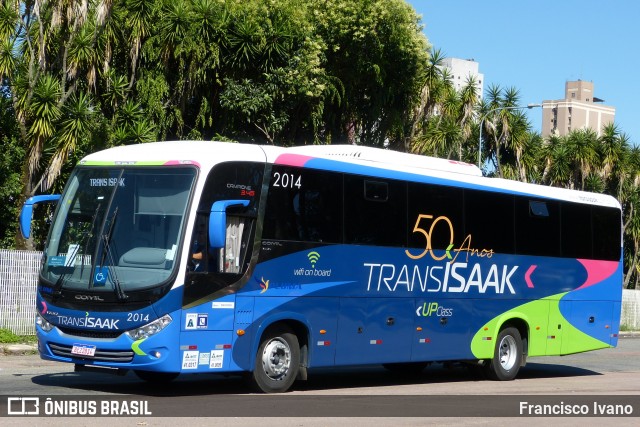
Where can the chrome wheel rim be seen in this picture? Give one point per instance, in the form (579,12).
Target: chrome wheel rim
(508,352)
(276,359)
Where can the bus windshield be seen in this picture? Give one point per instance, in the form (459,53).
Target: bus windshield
(117,229)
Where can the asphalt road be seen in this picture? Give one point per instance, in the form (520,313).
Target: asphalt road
(605,376)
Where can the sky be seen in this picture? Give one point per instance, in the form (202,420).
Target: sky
(538,45)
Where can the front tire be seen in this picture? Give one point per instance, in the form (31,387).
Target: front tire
(507,357)
(277,361)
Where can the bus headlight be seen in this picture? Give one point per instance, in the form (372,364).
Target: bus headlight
(43,323)
(150,328)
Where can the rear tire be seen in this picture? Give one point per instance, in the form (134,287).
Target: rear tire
(277,361)
(507,357)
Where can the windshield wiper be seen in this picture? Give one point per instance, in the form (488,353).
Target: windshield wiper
(89,235)
(57,288)
(106,251)
(106,237)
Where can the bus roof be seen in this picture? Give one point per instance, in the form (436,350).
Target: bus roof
(384,158)
(344,158)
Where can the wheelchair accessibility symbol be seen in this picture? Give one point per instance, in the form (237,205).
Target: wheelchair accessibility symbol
(101,275)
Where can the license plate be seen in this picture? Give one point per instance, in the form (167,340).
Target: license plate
(83,350)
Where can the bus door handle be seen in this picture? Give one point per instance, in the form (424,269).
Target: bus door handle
(391,321)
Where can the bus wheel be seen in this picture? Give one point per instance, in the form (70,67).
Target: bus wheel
(277,361)
(156,377)
(507,357)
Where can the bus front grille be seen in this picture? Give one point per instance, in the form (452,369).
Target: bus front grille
(85,333)
(119,356)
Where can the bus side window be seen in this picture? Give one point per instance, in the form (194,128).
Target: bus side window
(375,211)
(537,227)
(607,230)
(229,259)
(489,220)
(442,204)
(577,231)
(309,209)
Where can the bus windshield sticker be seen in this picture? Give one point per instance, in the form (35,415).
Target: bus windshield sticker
(106,182)
(101,275)
(171,253)
(71,255)
(56,261)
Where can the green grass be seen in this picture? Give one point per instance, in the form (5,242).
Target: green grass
(8,337)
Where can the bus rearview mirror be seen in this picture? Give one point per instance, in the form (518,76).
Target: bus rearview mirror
(27,211)
(218,221)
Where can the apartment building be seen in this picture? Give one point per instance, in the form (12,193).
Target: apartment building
(461,69)
(579,109)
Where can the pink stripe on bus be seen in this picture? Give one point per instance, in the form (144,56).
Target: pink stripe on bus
(292,160)
(597,271)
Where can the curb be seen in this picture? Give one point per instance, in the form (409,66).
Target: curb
(629,334)
(18,349)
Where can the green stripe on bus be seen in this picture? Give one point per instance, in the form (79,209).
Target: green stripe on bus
(544,338)
(136,347)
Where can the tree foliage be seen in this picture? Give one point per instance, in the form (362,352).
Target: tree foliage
(80,76)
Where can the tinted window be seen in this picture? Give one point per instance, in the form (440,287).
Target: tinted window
(370,217)
(577,241)
(537,227)
(489,221)
(436,201)
(304,205)
(376,191)
(606,233)
(233,181)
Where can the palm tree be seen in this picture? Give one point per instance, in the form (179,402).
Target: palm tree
(631,203)
(444,118)
(529,153)
(613,146)
(583,149)
(441,137)
(469,99)
(498,115)
(139,20)
(625,183)
(609,147)
(74,127)
(518,144)
(52,65)
(43,112)
(507,116)
(559,164)
(432,80)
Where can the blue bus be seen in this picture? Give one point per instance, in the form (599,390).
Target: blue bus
(195,257)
